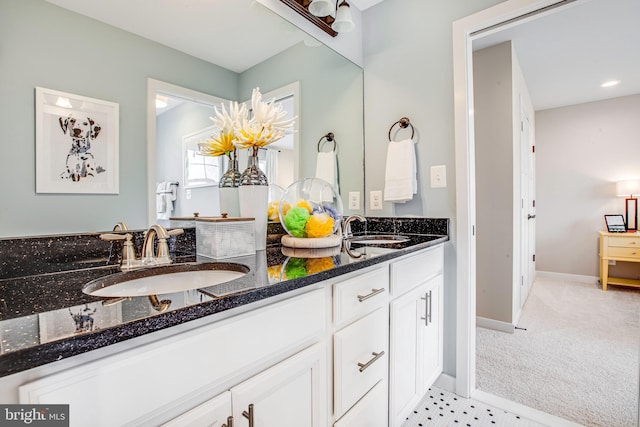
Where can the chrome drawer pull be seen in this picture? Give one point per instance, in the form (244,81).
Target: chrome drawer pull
(427,308)
(373,293)
(376,356)
(249,415)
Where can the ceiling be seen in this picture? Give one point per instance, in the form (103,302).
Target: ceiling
(565,56)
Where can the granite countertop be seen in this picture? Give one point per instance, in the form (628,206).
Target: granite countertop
(45,316)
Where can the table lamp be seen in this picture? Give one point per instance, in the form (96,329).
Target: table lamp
(627,189)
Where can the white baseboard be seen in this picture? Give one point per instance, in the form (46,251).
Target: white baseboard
(497,325)
(570,277)
(446,382)
(522,410)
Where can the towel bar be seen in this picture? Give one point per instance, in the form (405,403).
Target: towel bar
(330,138)
(403,123)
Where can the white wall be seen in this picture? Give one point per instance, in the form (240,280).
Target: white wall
(581,151)
(408,71)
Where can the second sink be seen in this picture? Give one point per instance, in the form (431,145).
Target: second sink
(166,279)
(378,239)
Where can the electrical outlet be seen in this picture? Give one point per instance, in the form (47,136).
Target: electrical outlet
(612,262)
(354,200)
(375,200)
(438,176)
(187,194)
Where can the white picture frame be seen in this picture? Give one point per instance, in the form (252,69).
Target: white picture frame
(77,142)
(199,171)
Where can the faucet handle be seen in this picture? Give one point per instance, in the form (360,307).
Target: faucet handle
(128,252)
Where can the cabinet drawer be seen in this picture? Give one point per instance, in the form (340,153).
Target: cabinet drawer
(410,272)
(360,359)
(371,411)
(624,242)
(360,295)
(619,252)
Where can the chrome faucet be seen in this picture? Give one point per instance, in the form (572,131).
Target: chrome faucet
(148,257)
(346,225)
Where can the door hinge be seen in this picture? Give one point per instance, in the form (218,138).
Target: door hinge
(533,202)
(533,148)
(534,257)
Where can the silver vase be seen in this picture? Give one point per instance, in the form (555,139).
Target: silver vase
(253,193)
(228,188)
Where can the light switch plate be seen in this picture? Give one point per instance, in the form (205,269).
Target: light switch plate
(354,200)
(438,176)
(187,194)
(375,200)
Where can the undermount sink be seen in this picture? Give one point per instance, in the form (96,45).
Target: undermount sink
(378,239)
(165,279)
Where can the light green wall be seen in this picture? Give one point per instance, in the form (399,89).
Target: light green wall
(331,92)
(44,45)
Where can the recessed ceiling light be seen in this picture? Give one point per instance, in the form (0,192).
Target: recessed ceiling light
(610,83)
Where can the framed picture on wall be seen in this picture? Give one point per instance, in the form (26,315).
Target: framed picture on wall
(76,144)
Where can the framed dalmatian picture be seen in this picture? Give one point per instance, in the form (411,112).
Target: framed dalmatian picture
(76,144)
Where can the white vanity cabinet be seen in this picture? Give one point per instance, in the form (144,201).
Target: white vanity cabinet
(292,393)
(156,382)
(416,330)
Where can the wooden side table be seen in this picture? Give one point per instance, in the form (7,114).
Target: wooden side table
(619,247)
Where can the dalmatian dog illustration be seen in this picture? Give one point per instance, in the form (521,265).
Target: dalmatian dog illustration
(80,162)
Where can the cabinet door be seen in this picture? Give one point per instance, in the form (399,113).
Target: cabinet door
(432,333)
(212,413)
(292,393)
(405,351)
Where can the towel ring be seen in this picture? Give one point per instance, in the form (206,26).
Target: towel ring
(330,138)
(403,123)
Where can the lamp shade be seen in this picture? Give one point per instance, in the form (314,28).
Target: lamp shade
(343,22)
(628,188)
(322,8)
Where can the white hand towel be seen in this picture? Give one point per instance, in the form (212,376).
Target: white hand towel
(326,167)
(161,201)
(401,181)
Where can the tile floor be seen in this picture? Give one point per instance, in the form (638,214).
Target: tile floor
(441,408)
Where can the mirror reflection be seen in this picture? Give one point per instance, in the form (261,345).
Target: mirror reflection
(124,59)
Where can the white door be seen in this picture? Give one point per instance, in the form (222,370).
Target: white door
(291,393)
(405,339)
(432,332)
(528,204)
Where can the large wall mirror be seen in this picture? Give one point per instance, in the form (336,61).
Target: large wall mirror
(315,84)
(92,48)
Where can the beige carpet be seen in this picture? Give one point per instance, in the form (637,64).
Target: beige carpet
(578,358)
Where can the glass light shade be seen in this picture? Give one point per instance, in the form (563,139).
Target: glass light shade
(628,188)
(322,8)
(343,22)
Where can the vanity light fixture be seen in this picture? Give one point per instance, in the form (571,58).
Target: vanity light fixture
(343,22)
(610,83)
(627,189)
(322,8)
(330,16)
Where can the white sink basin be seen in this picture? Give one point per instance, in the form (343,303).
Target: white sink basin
(164,280)
(378,239)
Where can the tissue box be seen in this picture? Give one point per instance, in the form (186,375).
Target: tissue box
(225,237)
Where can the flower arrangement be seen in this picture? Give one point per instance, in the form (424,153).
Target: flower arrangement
(266,125)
